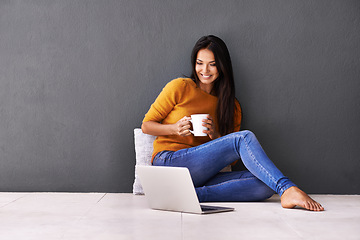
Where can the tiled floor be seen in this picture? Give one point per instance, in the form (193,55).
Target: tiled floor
(125,216)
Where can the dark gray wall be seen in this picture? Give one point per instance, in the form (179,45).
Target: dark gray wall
(76,77)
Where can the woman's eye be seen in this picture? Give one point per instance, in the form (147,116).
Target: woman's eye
(213,65)
(198,63)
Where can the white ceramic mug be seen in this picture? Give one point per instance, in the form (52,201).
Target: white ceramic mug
(196,120)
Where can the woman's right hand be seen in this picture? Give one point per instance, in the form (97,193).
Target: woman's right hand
(182,127)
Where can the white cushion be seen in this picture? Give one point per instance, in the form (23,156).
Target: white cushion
(143,152)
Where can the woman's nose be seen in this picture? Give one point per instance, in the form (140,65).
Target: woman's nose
(206,68)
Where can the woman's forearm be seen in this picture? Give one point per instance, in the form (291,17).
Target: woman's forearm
(157,129)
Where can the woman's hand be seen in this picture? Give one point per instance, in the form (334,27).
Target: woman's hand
(209,123)
(182,127)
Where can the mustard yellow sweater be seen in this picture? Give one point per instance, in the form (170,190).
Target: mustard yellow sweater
(182,97)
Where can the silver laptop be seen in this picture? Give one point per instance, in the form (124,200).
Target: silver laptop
(172,189)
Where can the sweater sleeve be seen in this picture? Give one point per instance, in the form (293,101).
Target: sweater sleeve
(166,101)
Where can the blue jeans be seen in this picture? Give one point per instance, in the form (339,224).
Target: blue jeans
(204,162)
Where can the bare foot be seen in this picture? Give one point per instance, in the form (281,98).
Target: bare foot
(293,196)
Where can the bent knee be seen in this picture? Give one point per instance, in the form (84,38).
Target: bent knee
(247,133)
(244,134)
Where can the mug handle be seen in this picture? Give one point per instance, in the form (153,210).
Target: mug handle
(192,132)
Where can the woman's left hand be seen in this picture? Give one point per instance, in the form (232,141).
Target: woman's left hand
(209,123)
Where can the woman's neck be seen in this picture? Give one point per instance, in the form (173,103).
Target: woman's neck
(206,87)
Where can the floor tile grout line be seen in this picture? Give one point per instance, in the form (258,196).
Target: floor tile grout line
(181,226)
(291,227)
(102,197)
(78,219)
(13,201)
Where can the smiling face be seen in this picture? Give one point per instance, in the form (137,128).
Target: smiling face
(206,69)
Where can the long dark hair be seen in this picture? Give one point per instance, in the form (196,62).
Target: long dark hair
(224,87)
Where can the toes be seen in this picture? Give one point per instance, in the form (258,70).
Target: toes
(312,206)
(307,205)
(315,206)
(320,208)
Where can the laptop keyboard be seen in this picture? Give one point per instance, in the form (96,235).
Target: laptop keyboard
(205,208)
